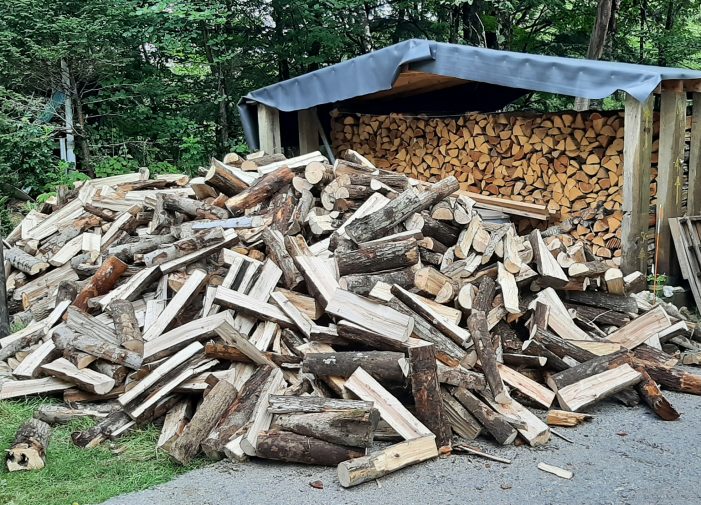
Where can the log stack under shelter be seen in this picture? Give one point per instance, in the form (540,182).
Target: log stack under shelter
(303,311)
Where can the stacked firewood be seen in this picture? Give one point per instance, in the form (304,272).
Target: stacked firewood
(572,162)
(297,310)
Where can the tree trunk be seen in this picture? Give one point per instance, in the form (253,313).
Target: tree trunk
(28,451)
(597,42)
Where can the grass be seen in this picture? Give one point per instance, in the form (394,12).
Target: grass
(82,476)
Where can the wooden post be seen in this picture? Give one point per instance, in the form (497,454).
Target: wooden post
(308,132)
(269,129)
(669,170)
(637,149)
(4,314)
(693,205)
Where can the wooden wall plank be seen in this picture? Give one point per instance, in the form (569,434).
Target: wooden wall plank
(670,172)
(636,183)
(308,131)
(269,138)
(694,197)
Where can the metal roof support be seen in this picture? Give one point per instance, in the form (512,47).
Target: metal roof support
(637,152)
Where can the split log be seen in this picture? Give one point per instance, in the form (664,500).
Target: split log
(28,450)
(462,423)
(85,379)
(186,446)
(380,463)
(354,428)
(551,273)
(102,281)
(592,389)
(126,325)
(565,418)
(653,397)
(297,404)
(237,414)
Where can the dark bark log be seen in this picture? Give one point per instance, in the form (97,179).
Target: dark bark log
(126,252)
(653,397)
(593,366)
(493,422)
(193,208)
(394,213)
(354,428)
(294,448)
(24,262)
(187,445)
(362,284)
(196,242)
(280,404)
(262,189)
(382,365)
(562,347)
(599,299)
(237,414)
(105,429)
(477,325)
(599,316)
(274,243)
(427,393)
(126,326)
(67,290)
(378,257)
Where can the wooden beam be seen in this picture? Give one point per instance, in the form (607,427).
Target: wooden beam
(637,150)
(669,171)
(693,205)
(269,139)
(308,132)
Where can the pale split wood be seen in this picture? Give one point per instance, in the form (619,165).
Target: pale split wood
(391,409)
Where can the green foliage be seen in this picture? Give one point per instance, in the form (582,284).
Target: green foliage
(75,475)
(115,165)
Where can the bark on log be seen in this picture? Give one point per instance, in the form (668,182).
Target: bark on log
(354,428)
(261,190)
(653,397)
(193,208)
(126,252)
(599,299)
(294,448)
(427,393)
(277,252)
(385,461)
(362,284)
(477,325)
(102,281)
(237,414)
(187,445)
(395,212)
(382,365)
(28,451)
(493,422)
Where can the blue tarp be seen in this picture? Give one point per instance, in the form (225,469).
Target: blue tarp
(377,71)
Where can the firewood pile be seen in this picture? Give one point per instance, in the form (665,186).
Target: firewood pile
(295,310)
(572,162)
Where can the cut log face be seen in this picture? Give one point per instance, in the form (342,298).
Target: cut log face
(28,451)
(592,389)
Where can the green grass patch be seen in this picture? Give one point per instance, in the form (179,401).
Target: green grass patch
(82,476)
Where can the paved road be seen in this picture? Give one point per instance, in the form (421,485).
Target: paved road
(624,456)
